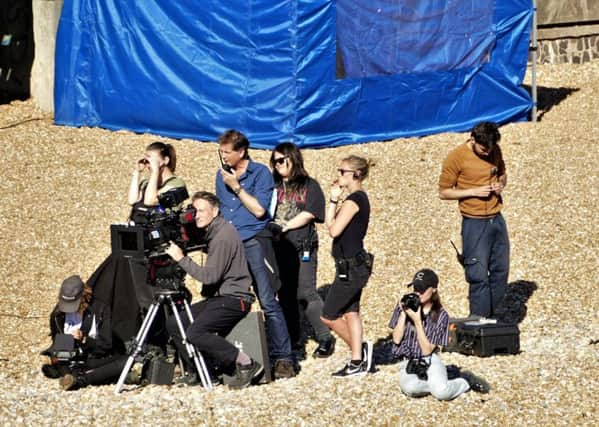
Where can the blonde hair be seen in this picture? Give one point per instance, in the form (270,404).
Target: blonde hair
(360,165)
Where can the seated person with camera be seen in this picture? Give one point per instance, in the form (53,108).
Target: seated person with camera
(83,350)
(227,299)
(420,325)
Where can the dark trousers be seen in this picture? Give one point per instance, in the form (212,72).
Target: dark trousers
(486,261)
(298,292)
(213,319)
(278,335)
(104,370)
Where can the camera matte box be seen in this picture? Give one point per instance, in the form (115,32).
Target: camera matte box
(249,336)
(127,240)
(487,339)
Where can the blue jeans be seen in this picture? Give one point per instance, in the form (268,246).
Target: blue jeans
(486,250)
(280,344)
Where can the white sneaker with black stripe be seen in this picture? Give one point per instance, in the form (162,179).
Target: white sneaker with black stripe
(367,355)
(351,370)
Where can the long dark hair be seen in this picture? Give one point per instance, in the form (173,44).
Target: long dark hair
(298,178)
(436,307)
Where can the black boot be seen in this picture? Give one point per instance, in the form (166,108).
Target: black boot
(55,370)
(476,383)
(73,381)
(325,348)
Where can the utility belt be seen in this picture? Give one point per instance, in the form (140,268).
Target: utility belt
(344,265)
(360,258)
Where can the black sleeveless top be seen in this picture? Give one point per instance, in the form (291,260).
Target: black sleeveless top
(351,241)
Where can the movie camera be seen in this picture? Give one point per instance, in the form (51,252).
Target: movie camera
(155,227)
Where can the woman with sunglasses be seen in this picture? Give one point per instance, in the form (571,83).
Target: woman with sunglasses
(300,204)
(417,335)
(159,161)
(347,226)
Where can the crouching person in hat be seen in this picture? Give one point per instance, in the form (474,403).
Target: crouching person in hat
(83,351)
(420,326)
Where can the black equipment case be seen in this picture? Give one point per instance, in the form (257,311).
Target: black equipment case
(481,338)
(249,336)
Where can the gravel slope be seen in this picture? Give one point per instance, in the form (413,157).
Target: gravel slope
(63,187)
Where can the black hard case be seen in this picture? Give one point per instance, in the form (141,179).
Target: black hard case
(487,339)
(249,336)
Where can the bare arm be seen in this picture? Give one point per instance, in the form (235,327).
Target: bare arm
(298,221)
(251,203)
(134,195)
(337,223)
(400,328)
(453,193)
(151,193)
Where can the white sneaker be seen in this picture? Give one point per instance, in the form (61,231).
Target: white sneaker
(351,370)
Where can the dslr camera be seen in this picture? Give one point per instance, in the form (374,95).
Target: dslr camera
(410,301)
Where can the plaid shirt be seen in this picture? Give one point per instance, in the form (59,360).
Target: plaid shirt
(436,332)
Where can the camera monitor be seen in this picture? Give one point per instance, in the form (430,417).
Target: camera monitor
(127,240)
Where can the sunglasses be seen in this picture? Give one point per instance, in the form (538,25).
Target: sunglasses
(280,160)
(343,171)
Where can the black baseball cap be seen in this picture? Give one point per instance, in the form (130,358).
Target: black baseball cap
(424,279)
(70,294)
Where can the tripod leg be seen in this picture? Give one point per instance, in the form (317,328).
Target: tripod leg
(193,354)
(138,343)
(199,360)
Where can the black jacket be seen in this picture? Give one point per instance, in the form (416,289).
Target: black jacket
(100,346)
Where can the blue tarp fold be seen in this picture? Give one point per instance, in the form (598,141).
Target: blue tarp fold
(319,73)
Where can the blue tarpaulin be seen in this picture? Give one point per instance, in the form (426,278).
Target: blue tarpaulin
(315,72)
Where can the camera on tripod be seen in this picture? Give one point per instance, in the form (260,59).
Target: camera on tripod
(156,227)
(411,301)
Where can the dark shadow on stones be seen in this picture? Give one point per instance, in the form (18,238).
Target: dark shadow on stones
(549,97)
(513,307)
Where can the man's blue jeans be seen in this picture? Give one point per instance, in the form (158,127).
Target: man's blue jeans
(280,344)
(486,250)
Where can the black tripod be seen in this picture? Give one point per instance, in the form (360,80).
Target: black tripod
(165,296)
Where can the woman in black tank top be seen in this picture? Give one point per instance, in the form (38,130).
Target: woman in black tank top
(347,225)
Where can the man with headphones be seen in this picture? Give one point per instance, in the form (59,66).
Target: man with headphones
(474,174)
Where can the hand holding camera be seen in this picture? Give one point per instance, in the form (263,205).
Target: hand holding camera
(141,164)
(410,303)
(174,251)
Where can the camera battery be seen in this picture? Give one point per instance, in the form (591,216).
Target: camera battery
(479,338)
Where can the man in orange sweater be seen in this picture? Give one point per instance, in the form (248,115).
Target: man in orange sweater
(474,174)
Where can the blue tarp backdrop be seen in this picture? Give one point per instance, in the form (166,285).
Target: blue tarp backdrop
(315,72)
